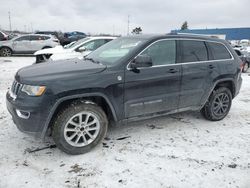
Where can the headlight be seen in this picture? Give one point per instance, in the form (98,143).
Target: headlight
(33,90)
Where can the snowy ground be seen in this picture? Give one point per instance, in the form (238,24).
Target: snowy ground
(181,150)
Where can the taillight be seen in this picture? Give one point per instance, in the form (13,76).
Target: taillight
(55,40)
(241,65)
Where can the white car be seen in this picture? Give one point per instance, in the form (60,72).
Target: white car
(78,49)
(27,44)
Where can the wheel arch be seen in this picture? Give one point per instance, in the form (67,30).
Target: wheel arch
(6,47)
(46,47)
(229,83)
(97,98)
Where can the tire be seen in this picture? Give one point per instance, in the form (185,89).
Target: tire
(5,52)
(245,67)
(218,104)
(71,136)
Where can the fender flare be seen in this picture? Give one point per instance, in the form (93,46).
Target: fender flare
(63,99)
(214,85)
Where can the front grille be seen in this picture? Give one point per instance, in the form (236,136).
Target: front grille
(15,87)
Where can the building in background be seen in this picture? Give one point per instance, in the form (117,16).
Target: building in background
(230,34)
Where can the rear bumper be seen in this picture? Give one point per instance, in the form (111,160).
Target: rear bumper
(239,83)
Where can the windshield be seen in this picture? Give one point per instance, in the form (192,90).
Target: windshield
(112,52)
(77,43)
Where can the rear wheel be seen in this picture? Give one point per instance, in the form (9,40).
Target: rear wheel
(218,104)
(5,52)
(245,67)
(79,128)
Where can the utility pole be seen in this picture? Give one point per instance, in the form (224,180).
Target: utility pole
(31,27)
(128,25)
(9,21)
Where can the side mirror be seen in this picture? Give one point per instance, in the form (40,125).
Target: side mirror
(141,61)
(82,49)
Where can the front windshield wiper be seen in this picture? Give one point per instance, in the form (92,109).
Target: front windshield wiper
(92,60)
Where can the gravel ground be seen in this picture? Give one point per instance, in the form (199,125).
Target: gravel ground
(181,150)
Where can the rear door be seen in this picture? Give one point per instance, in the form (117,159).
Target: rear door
(154,89)
(37,42)
(196,70)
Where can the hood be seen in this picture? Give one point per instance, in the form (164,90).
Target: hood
(57,49)
(43,72)
(61,56)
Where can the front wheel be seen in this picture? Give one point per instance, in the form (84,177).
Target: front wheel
(5,52)
(218,104)
(79,128)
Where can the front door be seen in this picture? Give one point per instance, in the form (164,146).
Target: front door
(22,44)
(154,89)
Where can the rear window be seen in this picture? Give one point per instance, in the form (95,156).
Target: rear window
(219,51)
(193,51)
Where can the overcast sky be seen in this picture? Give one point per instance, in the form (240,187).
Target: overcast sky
(110,16)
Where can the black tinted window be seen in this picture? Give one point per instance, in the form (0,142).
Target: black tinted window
(1,36)
(35,37)
(238,52)
(219,51)
(24,38)
(193,51)
(162,52)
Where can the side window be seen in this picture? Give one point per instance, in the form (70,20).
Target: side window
(89,45)
(162,52)
(238,52)
(46,38)
(219,51)
(98,43)
(36,37)
(193,51)
(1,36)
(23,38)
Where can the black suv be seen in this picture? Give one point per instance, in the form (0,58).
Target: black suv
(130,78)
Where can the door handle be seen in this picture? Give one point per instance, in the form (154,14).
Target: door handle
(211,66)
(172,71)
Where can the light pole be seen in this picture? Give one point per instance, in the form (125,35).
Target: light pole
(128,25)
(9,21)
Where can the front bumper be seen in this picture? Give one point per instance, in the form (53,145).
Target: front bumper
(28,114)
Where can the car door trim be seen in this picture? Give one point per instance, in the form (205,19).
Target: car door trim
(194,62)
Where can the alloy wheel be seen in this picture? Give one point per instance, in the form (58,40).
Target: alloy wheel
(82,129)
(221,104)
(6,52)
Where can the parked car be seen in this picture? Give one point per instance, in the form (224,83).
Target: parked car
(59,35)
(3,36)
(128,79)
(245,57)
(75,50)
(27,44)
(73,36)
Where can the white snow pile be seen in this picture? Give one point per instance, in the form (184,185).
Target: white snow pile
(180,150)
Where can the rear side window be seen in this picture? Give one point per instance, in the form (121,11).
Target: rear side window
(219,51)
(192,51)
(46,38)
(35,37)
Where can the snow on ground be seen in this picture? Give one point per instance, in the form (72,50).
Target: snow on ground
(181,150)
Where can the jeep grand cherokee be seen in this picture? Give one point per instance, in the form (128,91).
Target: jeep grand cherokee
(130,78)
